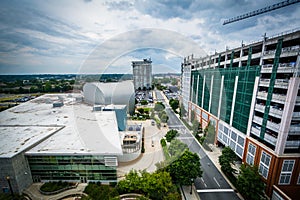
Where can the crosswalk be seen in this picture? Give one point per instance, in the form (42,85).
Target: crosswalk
(215,190)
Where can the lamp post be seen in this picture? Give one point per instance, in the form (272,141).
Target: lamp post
(10,188)
(192,180)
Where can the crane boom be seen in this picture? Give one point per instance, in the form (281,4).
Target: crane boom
(260,11)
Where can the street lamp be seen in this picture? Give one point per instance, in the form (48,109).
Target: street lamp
(192,180)
(10,188)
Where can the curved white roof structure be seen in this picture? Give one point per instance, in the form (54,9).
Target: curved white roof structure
(117,93)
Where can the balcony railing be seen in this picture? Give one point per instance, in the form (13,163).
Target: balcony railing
(282,67)
(282,83)
(279,98)
(290,49)
(264,82)
(262,95)
(260,108)
(296,115)
(275,112)
(273,126)
(257,120)
(295,128)
(255,131)
(270,139)
(292,144)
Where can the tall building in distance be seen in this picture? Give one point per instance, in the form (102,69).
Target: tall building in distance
(251,95)
(142,74)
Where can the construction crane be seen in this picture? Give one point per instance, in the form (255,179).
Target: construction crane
(261,11)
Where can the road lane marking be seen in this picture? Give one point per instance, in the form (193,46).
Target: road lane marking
(215,190)
(203,182)
(217,182)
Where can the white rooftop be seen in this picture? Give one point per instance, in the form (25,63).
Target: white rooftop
(82,130)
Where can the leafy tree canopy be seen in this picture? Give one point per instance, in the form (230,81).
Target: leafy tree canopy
(184,168)
(171,134)
(249,183)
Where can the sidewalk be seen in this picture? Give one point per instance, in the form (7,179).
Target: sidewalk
(187,193)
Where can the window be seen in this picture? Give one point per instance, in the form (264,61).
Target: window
(286,172)
(251,154)
(298,182)
(264,164)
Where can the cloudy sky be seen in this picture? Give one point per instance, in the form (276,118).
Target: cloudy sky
(89,36)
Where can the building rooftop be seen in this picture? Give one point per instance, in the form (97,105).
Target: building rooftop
(79,130)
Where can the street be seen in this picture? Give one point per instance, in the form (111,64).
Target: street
(212,185)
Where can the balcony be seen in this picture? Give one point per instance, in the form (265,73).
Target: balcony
(292,144)
(270,52)
(274,111)
(257,120)
(273,126)
(279,98)
(298,100)
(269,138)
(282,83)
(255,131)
(291,49)
(262,95)
(296,115)
(295,128)
(260,108)
(264,82)
(282,68)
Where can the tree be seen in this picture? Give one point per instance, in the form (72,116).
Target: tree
(226,159)
(144,102)
(185,168)
(164,118)
(177,147)
(174,103)
(171,134)
(249,183)
(159,106)
(140,110)
(155,186)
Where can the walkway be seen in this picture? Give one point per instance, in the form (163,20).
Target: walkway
(34,194)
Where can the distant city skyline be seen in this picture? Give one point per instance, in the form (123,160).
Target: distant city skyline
(57,37)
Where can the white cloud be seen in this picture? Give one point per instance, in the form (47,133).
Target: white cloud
(61,36)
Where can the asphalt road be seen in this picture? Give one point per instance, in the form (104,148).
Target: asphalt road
(212,185)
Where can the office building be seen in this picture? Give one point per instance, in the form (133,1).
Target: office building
(251,95)
(142,74)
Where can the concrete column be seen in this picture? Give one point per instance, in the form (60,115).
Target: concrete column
(233,99)
(287,115)
(255,89)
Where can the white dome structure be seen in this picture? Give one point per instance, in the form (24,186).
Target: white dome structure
(117,93)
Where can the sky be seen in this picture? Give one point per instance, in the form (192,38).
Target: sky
(89,36)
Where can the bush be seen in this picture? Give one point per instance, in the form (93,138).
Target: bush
(163,142)
(55,186)
(100,192)
(171,134)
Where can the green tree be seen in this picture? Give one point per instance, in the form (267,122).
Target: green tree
(184,168)
(171,134)
(164,118)
(159,106)
(226,159)
(155,186)
(144,102)
(140,110)
(174,103)
(177,147)
(250,184)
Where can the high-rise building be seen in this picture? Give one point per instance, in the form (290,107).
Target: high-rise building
(142,74)
(251,95)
